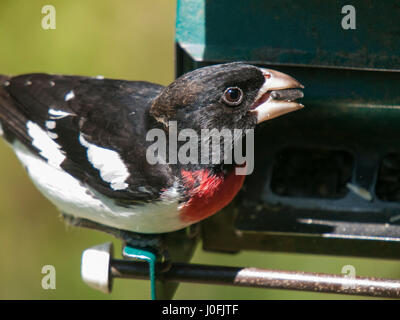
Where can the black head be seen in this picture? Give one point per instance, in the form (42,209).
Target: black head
(218,96)
(226,96)
(221,96)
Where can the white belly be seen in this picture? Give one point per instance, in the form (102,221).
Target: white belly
(72,198)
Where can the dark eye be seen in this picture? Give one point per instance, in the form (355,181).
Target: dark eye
(233,96)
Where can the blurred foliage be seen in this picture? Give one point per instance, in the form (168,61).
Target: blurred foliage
(126,39)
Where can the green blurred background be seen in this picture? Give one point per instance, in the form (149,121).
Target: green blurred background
(118,39)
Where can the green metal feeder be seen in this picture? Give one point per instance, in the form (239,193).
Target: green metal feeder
(327,178)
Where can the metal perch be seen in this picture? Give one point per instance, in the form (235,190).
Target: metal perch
(236,276)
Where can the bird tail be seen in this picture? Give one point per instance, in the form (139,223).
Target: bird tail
(11,119)
(3,96)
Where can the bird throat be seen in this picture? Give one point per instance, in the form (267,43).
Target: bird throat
(208,192)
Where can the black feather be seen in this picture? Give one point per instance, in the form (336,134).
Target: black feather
(111,114)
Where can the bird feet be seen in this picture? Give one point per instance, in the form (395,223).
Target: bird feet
(144,247)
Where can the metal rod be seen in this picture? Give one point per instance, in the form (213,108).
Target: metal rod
(261,278)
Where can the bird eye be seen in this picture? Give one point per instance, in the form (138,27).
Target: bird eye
(233,96)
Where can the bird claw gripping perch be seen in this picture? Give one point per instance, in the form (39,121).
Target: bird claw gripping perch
(146,256)
(151,255)
(96,266)
(96,261)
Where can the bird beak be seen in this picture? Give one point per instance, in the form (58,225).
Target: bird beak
(277,96)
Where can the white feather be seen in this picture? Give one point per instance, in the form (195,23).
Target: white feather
(58,114)
(70,95)
(50,124)
(47,147)
(71,197)
(109,163)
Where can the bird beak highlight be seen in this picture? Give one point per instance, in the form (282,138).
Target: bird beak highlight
(277,96)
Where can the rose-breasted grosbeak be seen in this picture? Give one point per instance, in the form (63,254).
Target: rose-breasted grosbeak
(83,140)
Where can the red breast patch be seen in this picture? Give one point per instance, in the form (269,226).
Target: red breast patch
(209,193)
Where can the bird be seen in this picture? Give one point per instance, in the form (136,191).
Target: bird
(82,141)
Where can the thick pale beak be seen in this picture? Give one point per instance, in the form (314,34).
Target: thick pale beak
(276,96)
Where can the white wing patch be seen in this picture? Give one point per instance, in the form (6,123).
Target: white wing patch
(50,124)
(70,95)
(58,114)
(109,163)
(73,198)
(47,147)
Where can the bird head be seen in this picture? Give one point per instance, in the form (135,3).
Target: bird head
(224,97)
(227,96)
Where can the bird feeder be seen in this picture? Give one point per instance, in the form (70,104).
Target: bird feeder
(326,178)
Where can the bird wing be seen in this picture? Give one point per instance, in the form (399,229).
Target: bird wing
(93,128)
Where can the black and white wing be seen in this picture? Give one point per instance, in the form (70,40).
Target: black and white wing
(92,128)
